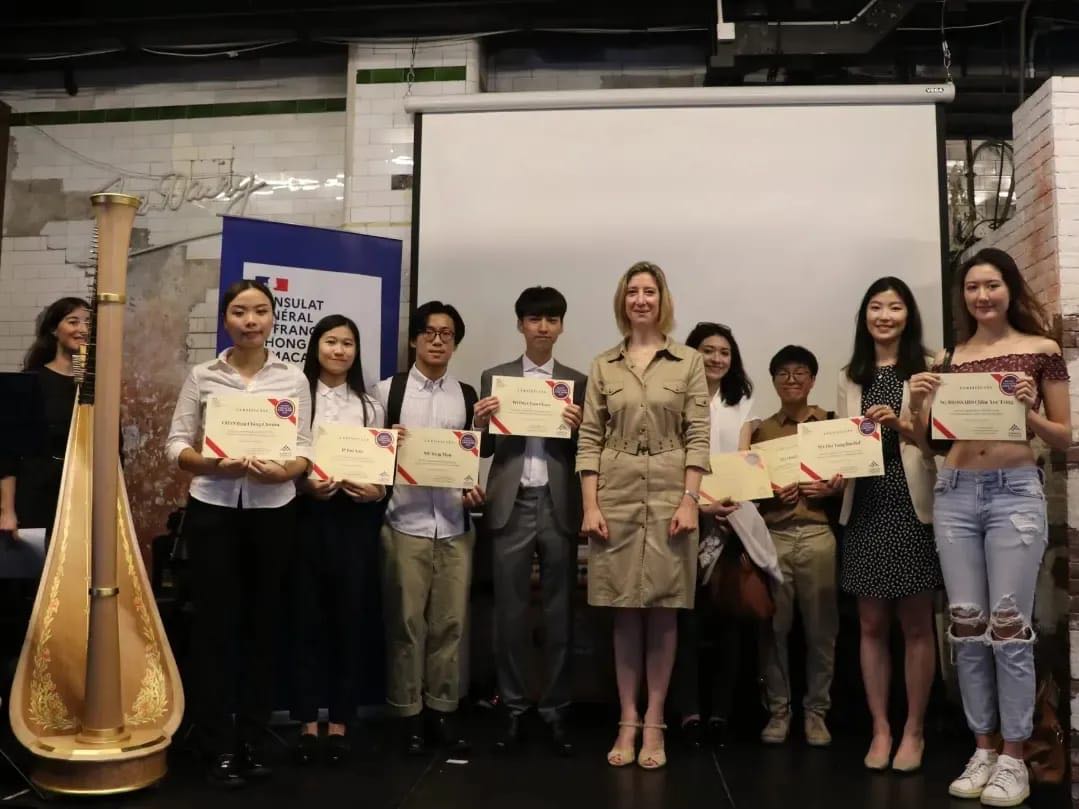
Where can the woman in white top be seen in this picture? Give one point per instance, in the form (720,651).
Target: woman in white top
(335,586)
(731,408)
(239,527)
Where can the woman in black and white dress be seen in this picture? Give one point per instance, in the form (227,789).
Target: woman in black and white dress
(889,557)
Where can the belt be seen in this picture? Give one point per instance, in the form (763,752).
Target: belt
(643,445)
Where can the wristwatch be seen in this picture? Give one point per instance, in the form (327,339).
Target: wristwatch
(694,496)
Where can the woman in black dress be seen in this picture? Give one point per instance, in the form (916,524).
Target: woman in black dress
(889,557)
(31,485)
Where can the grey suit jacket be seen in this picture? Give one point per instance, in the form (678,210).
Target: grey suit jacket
(507,465)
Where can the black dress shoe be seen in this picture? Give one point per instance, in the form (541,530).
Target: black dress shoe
(445,734)
(512,734)
(560,740)
(415,742)
(693,734)
(337,748)
(250,763)
(719,732)
(223,772)
(307,748)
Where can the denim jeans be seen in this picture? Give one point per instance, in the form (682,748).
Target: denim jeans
(991,534)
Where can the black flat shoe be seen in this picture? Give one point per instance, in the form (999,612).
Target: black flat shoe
(693,734)
(443,731)
(337,748)
(223,773)
(512,734)
(719,732)
(250,763)
(560,740)
(307,749)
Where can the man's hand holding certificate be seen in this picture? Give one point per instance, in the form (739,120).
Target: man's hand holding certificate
(850,447)
(979,407)
(531,406)
(736,477)
(448,459)
(355,454)
(250,426)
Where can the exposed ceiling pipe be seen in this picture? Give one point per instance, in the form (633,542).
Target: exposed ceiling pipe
(1023,50)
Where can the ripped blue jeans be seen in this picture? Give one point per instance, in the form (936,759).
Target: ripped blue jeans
(991,534)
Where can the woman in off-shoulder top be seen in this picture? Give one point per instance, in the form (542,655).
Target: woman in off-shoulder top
(990,520)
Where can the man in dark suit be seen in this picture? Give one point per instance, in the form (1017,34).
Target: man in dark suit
(533,508)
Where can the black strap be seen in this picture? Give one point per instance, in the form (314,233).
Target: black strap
(471,398)
(396,398)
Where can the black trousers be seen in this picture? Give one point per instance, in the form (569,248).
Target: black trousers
(237,557)
(335,575)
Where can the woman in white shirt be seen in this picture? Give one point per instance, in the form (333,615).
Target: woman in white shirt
(239,527)
(731,406)
(336,565)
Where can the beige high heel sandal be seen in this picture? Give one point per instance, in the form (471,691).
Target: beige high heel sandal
(624,756)
(655,758)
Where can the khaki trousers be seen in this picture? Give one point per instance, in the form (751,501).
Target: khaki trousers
(807,560)
(425,587)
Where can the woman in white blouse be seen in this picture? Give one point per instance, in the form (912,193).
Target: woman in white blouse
(731,408)
(336,565)
(239,528)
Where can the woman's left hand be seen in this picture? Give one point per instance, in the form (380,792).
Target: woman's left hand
(1026,392)
(363,492)
(267,471)
(685,518)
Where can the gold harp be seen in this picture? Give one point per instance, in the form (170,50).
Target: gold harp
(97,696)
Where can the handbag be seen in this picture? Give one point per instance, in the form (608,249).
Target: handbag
(1044,752)
(739,588)
(940,446)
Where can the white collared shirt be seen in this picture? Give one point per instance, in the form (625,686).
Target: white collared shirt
(426,511)
(341,405)
(534,471)
(726,422)
(218,377)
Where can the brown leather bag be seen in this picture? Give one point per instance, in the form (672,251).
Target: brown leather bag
(740,589)
(1045,752)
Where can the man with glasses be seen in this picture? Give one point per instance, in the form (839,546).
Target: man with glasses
(534,510)
(427,543)
(806,547)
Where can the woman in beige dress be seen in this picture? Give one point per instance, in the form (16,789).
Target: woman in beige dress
(642,452)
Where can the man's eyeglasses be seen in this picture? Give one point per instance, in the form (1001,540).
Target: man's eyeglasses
(446,335)
(800,375)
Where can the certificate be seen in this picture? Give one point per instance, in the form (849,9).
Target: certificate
(781,459)
(448,459)
(531,406)
(245,425)
(354,453)
(979,407)
(736,476)
(849,447)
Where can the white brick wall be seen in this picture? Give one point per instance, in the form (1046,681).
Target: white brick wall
(300,158)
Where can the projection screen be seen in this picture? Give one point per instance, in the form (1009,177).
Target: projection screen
(771,210)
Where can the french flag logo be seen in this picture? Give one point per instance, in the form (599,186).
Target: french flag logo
(278,285)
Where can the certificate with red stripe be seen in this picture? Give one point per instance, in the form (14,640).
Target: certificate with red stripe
(447,459)
(247,425)
(354,453)
(979,407)
(850,447)
(532,406)
(735,477)
(781,458)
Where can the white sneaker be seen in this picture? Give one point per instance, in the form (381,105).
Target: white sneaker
(976,775)
(1009,785)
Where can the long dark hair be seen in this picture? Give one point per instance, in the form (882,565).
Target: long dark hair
(43,349)
(354,377)
(911,359)
(735,384)
(1025,314)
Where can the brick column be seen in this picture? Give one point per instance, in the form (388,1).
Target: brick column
(378,171)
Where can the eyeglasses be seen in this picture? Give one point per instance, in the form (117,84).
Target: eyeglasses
(801,375)
(446,335)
